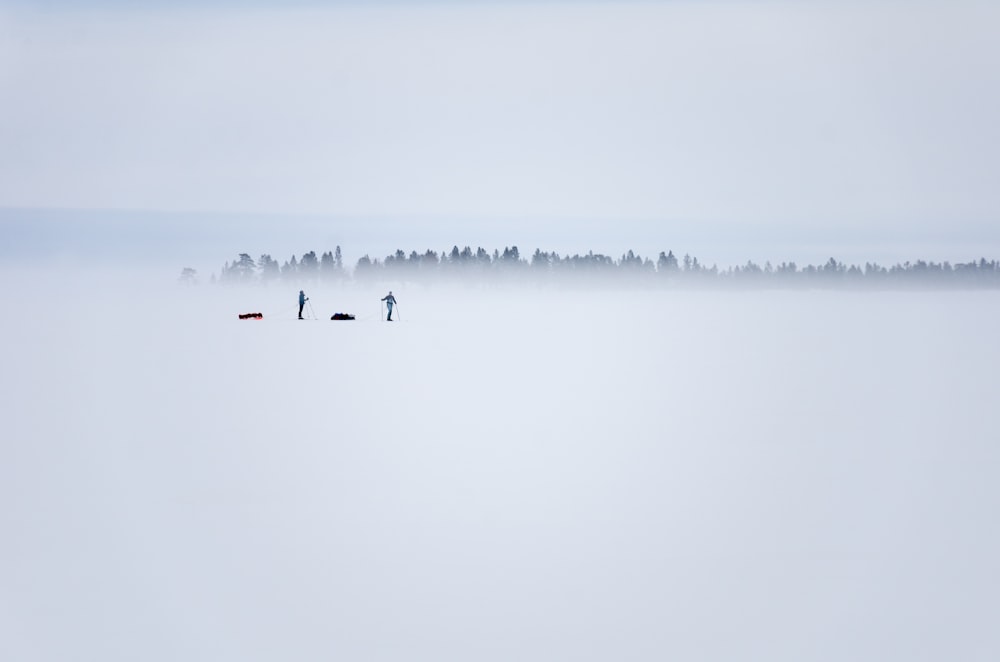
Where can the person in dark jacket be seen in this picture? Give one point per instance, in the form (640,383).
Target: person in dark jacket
(389,302)
(302,302)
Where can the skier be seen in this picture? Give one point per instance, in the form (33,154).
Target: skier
(389,302)
(302,302)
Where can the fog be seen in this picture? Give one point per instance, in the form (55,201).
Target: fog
(498,474)
(557,467)
(205,240)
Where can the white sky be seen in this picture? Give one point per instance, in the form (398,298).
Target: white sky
(842,117)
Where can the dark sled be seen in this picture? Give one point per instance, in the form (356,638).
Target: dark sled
(252,316)
(342,316)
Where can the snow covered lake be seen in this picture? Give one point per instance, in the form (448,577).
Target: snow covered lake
(500,475)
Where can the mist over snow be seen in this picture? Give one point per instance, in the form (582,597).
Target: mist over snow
(501,474)
(582,446)
(203,241)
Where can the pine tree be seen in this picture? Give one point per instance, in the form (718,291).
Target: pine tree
(188,276)
(290,271)
(244,269)
(269,270)
(328,267)
(667,264)
(309,266)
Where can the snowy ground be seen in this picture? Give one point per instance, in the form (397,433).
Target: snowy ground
(501,475)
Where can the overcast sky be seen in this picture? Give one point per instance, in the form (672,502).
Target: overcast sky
(874,117)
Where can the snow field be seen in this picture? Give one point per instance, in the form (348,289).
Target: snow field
(503,474)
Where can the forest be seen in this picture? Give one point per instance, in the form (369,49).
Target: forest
(593,269)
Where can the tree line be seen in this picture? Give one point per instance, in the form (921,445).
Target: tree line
(593,268)
(329,266)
